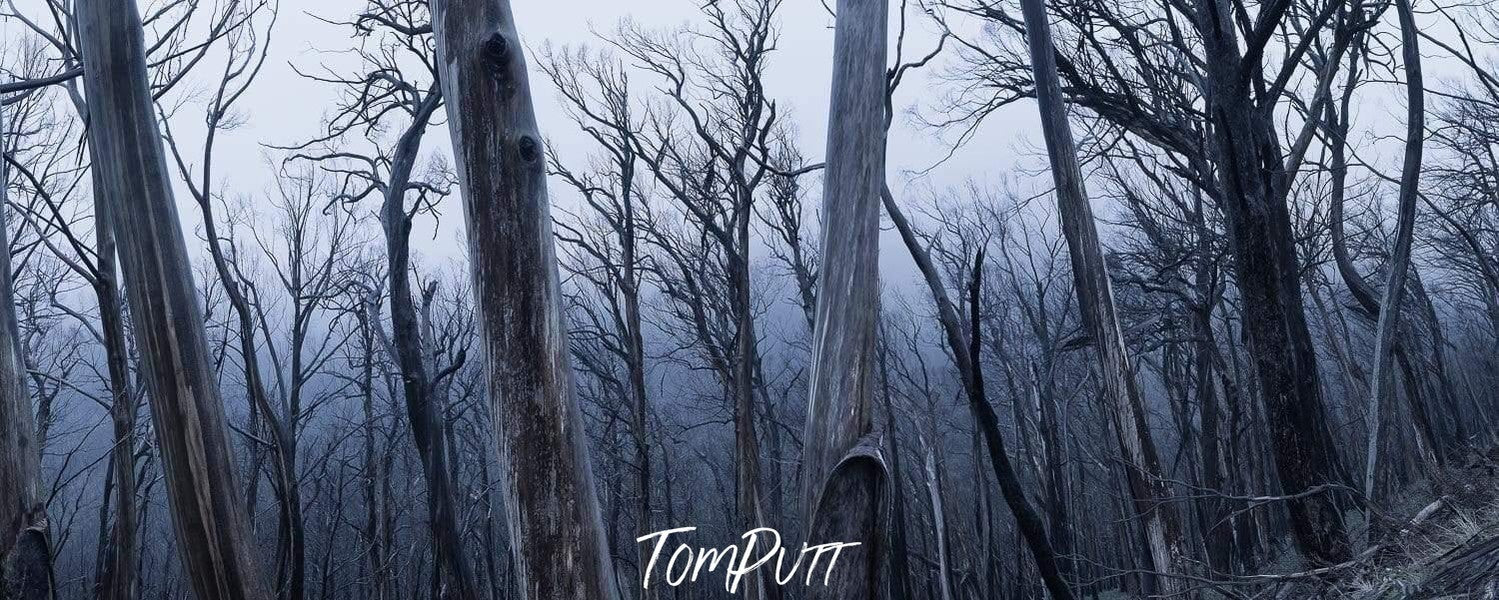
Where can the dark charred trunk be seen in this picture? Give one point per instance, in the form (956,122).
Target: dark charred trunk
(1259,231)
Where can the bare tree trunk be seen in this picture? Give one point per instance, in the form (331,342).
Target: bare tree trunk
(1394,290)
(841,402)
(1259,225)
(25,553)
(212,532)
(118,579)
(899,560)
(1054,473)
(749,498)
(635,350)
(965,354)
(417,383)
(939,525)
(290,528)
(555,530)
(1095,300)
(1337,117)
(376,584)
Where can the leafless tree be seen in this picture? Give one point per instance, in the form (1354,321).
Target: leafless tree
(844,476)
(187,409)
(555,530)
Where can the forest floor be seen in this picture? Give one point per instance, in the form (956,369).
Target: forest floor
(1447,547)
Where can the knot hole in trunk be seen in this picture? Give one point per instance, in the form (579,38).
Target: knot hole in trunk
(530,150)
(496,51)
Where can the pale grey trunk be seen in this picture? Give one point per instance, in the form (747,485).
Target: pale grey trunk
(1095,300)
(217,552)
(555,530)
(939,524)
(841,403)
(25,558)
(1394,289)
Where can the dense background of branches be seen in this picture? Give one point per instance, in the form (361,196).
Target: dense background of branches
(1242,161)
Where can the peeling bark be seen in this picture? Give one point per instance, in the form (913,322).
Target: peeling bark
(211,527)
(841,401)
(25,559)
(555,531)
(1095,299)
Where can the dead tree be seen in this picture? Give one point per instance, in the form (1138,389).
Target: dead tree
(1266,267)
(1232,151)
(171,55)
(707,144)
(247,50)
(609,239)
(1394,290)
(399,80)
(555,530)
(1095,298)
(212,532)
(25,553)
(963,350)
(844,478)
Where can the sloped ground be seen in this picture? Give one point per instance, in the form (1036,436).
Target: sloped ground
(1449,552)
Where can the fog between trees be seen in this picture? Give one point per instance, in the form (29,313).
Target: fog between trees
(1230,330)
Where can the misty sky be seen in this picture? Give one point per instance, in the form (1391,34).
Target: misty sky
(284,108)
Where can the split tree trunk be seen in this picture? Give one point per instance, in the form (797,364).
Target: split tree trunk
(188,414)
(556,533)
(841,404)
(1095,299)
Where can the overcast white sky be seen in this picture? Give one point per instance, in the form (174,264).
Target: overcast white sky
(284,108)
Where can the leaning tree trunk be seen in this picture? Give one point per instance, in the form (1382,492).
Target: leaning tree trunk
(555,530)
(1259,226)
(965,352)
(1394,289)
(120,572)
(1095,299)
(25,555)
(212,536)
(844,481)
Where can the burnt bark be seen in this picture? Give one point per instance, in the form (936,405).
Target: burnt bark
(841,402)
(197,461)
(555,530)
(1259,231)
(965,353)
